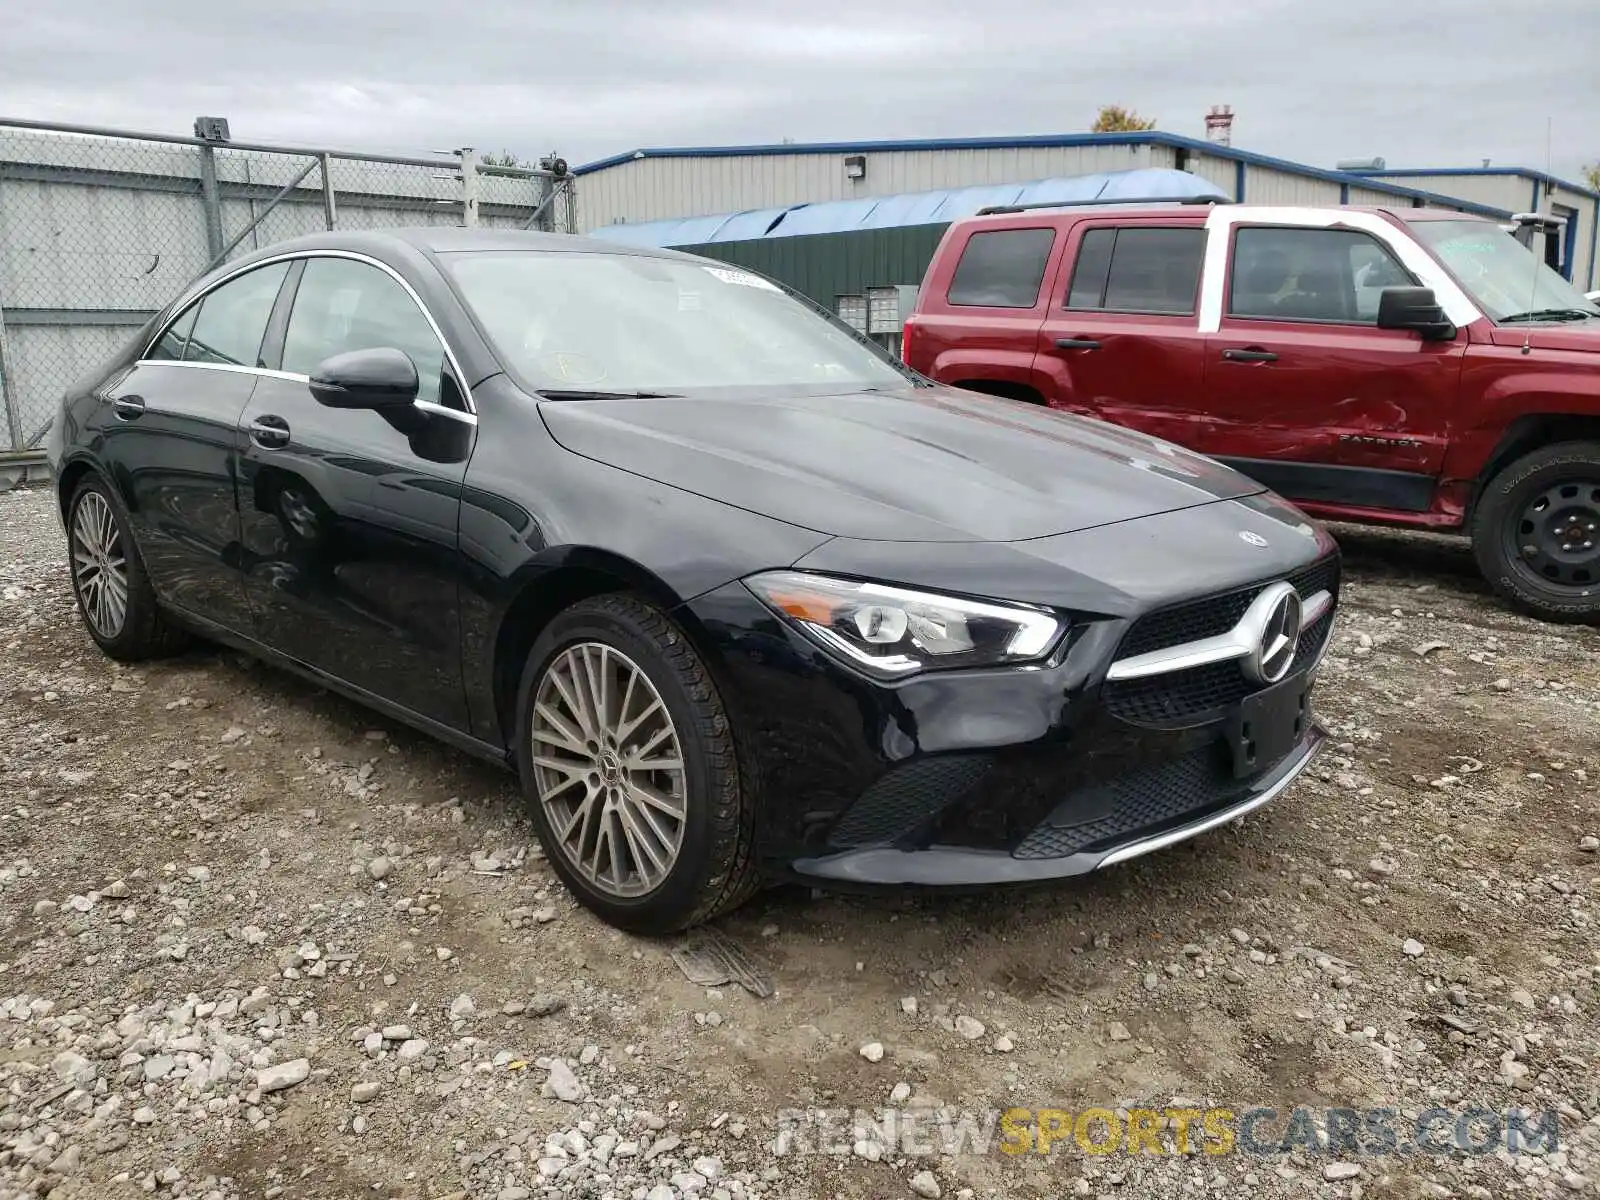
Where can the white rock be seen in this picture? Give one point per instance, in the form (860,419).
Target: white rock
(365,1092)
(872,1052)
(969,1027)
(284,1075)
(924,1184)
(444,953)
(396,1033)
(1336,1171)
(1589,844)
(412,1049)
(908,1005)
(1119,1032)
(462,1007)
(710,1169)
(1004,1044)
(381,867)
(661,1192)
(900,1093)
(564,1085)
(1412,948)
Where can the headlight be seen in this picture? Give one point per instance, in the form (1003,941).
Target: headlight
(892,632)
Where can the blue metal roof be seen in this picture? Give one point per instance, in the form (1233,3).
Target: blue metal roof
(1151,137)
(910,208)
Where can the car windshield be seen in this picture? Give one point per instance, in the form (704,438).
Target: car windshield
(584,325)
(1506,279)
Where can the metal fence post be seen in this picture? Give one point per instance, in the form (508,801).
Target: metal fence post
(211,201)
(8,388)
(330,211)
(469,187)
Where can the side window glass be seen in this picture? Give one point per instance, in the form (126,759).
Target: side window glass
(1002,268)
(233,319)
(170,345)
(1330,275)
(1092,269)
(343,305)
(1138,269)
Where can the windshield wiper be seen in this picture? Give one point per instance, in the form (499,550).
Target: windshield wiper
(1551,314)
(586,394)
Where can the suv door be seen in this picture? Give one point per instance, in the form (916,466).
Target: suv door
(1305,393)
(1121,341)
(348,516)
(167,441)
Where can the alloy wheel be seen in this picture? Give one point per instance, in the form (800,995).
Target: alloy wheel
(609,769)
(1557,535)
(100,565)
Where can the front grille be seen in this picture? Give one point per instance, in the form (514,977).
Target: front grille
(1200,693)
(1211,615)
(1146,799)
(907,797)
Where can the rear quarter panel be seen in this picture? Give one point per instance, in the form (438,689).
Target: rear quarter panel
(956,343)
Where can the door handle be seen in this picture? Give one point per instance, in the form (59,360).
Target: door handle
(129,408)
(1077,344)
(1251,355)
(270,433)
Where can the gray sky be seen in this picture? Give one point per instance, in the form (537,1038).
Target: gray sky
(1312,80)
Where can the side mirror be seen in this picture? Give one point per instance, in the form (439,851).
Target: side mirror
(1416,309)
(378,379)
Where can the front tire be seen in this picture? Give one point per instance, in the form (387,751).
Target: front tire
(629,766)
(109,581)
(1536,533)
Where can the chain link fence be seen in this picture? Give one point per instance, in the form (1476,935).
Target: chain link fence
(99,228)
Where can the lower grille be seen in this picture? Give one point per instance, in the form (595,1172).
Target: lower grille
(1146,799)
(907,797)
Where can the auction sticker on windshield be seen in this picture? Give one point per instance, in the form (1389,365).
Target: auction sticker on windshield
(743,278)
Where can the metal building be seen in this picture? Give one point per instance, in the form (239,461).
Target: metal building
(650,185)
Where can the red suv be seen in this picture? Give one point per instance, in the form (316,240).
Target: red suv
(1409,367)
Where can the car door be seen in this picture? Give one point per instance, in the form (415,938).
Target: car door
(349,516)
(1121,341)
(1303,390)
(167,439)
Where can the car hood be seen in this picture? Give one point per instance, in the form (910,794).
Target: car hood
(1576,335)
(918,464)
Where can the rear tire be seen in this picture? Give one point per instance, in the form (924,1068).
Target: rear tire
(109,581)
(642,865)
(1536,533)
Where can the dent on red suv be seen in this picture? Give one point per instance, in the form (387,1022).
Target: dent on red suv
(1413,368)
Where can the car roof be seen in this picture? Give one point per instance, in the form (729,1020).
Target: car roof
(448,239)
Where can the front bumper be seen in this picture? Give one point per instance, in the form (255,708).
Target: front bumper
(972,778)
(954,866)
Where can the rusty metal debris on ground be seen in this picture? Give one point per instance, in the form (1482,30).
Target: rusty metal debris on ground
(711,958)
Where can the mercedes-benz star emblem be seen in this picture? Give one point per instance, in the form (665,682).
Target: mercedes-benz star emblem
(1254,539)
(1274,631)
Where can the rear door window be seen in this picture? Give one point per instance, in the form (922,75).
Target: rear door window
(1138,269)
(1002,268)
(233,319)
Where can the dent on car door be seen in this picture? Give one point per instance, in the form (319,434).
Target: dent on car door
(167,439)
(349,515)
(1121,340)
(1306,393)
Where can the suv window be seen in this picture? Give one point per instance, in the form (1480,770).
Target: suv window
(1334,275)
(1138,269)
(345,305)
(1002,268)
(233,319)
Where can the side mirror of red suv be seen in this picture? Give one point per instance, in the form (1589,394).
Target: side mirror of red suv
(1414,308)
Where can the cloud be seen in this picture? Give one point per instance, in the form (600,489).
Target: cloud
(1310,81)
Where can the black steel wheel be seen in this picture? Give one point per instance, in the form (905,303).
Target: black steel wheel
(1536,533)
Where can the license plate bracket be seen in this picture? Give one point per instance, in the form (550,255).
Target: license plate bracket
(1268,725)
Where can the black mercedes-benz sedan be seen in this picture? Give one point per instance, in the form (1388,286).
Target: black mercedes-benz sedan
(736,594)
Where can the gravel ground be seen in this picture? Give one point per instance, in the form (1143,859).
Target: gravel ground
(262,944)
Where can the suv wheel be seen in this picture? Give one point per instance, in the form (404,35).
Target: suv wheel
(629,767)
(114,595)
(1536,533)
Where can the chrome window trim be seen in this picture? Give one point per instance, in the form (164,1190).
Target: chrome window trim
(1238,642)
(427,406)
(293,256)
